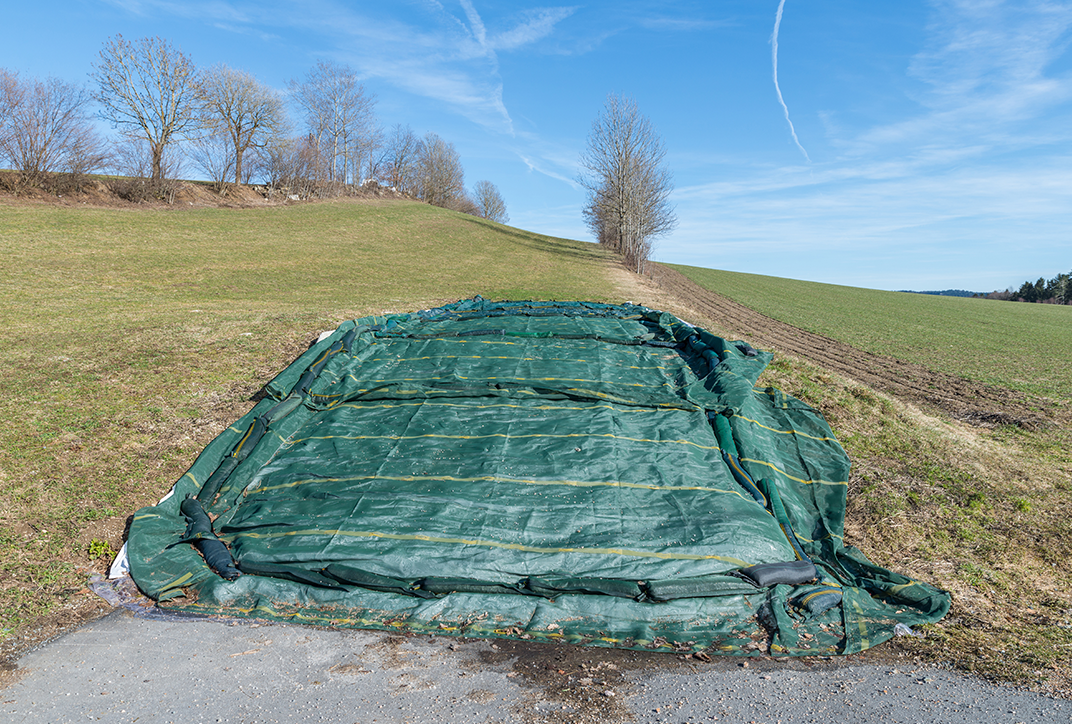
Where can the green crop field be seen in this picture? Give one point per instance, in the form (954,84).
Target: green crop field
(1026,347)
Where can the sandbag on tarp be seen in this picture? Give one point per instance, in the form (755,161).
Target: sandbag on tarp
(554,471)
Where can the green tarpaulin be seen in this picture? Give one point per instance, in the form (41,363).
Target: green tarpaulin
(599,474)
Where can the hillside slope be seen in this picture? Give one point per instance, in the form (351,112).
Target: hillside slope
(963,399)
(1021,347)
(131,337)
(958,483)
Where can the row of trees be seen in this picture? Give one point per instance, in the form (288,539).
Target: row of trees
(231,127)
(1057,290)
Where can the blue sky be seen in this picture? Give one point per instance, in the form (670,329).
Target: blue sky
(908,145)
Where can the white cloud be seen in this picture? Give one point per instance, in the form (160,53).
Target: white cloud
(777,88)
(840,221)
(538,24)
(209,11)
(986,72)
(428,50)
(931,199)
(682,25)
(985,64)
(538,166)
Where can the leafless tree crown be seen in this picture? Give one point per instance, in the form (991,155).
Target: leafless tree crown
(10,98)
(240,109)
(45,128)
(489,202)
(440,177)
(339,116)
(627,183)
(213,154)
(401,156)
(148,88)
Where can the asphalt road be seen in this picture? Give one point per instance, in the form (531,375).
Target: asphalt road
(127,668)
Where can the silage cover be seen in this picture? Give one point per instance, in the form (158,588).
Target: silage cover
(577,472)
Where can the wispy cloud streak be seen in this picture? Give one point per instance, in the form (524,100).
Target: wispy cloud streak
(538,25)
(538,167)
(430,50)
(777,89)
(989,78)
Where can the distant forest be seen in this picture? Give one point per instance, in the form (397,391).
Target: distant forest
(948,293)
(1044,291)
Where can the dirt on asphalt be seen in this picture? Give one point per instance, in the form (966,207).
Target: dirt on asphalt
(962,399)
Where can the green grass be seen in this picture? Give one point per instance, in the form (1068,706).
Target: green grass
(1025,347)
(130,337)
(984,513)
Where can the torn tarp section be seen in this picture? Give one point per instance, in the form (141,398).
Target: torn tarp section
(551,471)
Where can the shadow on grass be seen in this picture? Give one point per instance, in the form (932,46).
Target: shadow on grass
(558,247)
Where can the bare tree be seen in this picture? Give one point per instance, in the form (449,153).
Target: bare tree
(277,163)
(489,202)
(213,153)
(134,159)
(45,126)
(401,154)
(290,165)
(466,205)
(628,186)
(88,153)
(374,153)
(10,98)
(440,178)
(339,116)
(148,89)
(240,108)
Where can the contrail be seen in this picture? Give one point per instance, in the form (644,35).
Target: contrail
(480,34)
(774,61)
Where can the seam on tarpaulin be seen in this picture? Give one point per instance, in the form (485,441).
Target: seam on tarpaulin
(498,479)
(624,552)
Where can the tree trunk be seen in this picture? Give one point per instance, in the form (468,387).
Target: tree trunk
(238,166)
(158,163)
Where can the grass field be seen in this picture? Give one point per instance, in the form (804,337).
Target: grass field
(129,338)
(1026,347)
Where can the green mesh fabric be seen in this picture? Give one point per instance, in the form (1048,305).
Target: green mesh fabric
(537,470)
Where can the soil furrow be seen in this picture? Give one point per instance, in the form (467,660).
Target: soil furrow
(963,399)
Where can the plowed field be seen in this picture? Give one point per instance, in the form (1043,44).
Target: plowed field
(963,399)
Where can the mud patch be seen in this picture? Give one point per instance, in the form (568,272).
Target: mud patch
(348,669)
(575,683)
(407,683)
(588,685)
(11,674)
(394,655)
(481,696)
